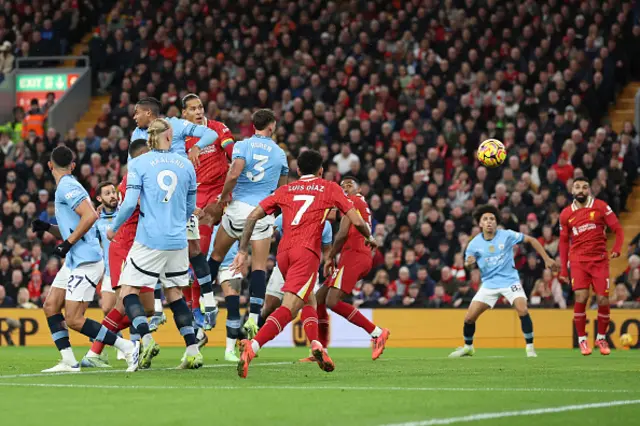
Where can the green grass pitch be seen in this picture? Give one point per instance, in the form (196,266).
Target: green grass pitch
(406,386)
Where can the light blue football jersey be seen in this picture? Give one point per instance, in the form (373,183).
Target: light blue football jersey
(265,162)
(181,130)
(69,195)
(103,224)
(165,182)
(495,258)
(231,254)
(327,232)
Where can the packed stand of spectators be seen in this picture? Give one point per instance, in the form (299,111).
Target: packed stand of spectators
(398,94)
(44,28)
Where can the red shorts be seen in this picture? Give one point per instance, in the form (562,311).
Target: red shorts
(207,194)
(299,268)
(591,274)
(353,266)
(117,257)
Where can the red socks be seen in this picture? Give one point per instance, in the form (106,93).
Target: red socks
(580,318)
(323,325)
(354,316)
(186,292)
(309,319)
(195,294)
(205,238)
(275,323)
(603,319)
(114,321)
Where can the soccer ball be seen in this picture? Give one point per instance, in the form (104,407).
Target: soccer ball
(626,340)
(491,153)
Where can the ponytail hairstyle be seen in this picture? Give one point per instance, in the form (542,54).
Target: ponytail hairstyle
(155,129)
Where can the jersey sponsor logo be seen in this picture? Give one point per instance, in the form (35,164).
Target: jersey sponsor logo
(584,228)
(211,149)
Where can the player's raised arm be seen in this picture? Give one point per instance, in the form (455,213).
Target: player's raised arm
(564,249)
(548,261)
(612,222)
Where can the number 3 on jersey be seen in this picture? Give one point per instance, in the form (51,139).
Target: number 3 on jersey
(170,187)
(308,200)
(261,159)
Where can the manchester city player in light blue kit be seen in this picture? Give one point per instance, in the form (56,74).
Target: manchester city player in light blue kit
(492,251)
(107,196)
(165,183)
(147,110)
(258,167)
(75,284)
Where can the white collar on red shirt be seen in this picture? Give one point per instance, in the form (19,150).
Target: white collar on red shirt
(308,177)
(588,204)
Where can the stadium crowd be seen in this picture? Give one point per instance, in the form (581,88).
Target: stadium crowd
(398,94)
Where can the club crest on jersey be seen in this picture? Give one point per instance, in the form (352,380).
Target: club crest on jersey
(501,246)
(592,215)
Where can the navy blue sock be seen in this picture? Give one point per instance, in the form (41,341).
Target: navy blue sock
(59,331)
(261,321)
(468,331)
(214,267)
(157,302)
(257,290)
(96,331)
(203,273)
(136,314)
(233,316)
(527,328)
(184,321)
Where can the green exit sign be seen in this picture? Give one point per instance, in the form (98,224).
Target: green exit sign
(42,82)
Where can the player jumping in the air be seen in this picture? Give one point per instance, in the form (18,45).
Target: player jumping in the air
(583,249)
(119,247)
(259,167)
(355,263)
(492,251)
(210,173)
(305,205)
(165,184)
(147,110)
(75,284)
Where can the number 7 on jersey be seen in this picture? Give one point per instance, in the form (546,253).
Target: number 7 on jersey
(308,200)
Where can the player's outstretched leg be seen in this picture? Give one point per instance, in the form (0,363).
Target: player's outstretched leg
(203,275)
(158,317)
(349,312)
(75,319)
(135,312)
(520,305)
(192,358)
(469,329)
(234,323)
(115,322)
(59,333)
(603,324)
(309,319)
(580,320)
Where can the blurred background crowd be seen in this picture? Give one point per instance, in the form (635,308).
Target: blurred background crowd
(397,93)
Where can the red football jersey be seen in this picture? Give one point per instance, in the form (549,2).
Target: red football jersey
(305,205)
(127,232)
(214,159)
(355,240)
(585,228)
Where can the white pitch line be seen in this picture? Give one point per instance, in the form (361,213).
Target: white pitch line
(112,371)
(502,414)
(285,387)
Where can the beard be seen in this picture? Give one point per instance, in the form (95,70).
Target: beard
(581,198)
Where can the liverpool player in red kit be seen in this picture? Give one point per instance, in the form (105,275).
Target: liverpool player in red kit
(212,165)
(355,263)
(583,247)
(121,243)
(305,205)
